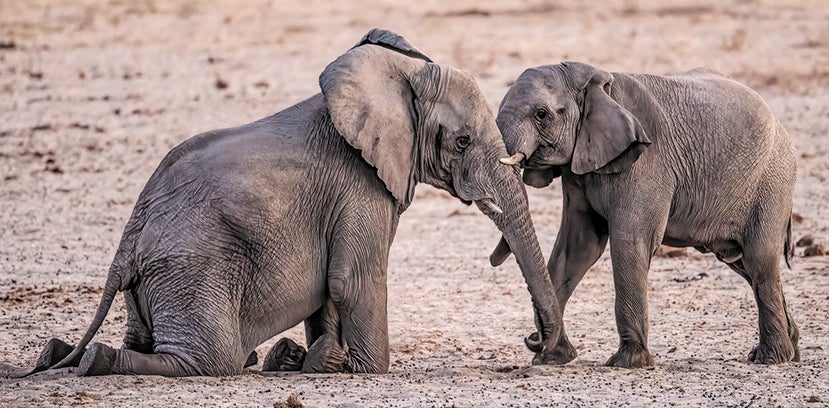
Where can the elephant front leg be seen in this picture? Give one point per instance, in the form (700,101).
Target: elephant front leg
(357,288)
(581,240)
(631,260)
(351,335)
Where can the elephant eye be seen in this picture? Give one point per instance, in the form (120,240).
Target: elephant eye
(462,142)
(541,114)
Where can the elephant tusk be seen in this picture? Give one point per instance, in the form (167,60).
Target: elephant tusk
(512,160)
(490,205)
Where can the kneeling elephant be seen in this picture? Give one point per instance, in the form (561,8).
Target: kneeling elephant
(243,233)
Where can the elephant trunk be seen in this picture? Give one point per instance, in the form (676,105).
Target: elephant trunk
(518,136)
(519,235)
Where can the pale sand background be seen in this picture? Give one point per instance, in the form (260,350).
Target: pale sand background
(93,94)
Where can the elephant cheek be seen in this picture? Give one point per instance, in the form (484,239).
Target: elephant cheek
(540,178)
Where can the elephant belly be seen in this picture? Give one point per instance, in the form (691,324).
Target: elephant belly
(706,235)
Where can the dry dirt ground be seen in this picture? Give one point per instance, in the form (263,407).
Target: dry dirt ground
(94,93)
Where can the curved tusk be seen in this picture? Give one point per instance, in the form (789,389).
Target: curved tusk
(490,205)
(512,160)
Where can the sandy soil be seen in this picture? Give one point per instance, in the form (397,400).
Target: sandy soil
(93,94)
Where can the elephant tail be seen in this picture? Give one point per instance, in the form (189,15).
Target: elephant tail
(788,247)
(111,288)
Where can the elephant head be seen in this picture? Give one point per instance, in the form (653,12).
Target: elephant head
(564,116)
(416,121)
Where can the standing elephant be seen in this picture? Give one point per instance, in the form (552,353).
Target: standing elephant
(694,159)
(243,233)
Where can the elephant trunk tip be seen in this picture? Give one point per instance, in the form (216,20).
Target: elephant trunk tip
(534,343)
(501,253)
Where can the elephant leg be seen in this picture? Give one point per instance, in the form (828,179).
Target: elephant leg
(138,335)
(137,338)
(581,240)
(196,328)
(101,359)
(206,350)
(631,257)
(324,320)
(252,359)
(54,351)
(357,289)
(287,355)
(778,332)
(793,331)
(326,355)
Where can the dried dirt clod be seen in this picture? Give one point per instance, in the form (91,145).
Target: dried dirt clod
(806,240)
(221,83)
(814,398)
(291,402)
(797,218)
(814,250)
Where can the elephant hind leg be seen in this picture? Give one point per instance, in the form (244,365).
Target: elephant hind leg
(253,358)
(778,332)
(101,359)
(285,355)
(54,351)
(138,334)
(761,262)
(326,355)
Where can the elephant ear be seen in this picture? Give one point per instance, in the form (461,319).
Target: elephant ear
(393,41)
(369,99)
(610,138)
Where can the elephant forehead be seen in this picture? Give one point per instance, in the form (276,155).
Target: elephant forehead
(536,88)
(462,85)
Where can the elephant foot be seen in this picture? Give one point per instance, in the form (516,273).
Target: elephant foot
(97,360)
(285,355)
(325,356)
(631,355)
(253,358)
(55,351)
(774,353)
(562,353)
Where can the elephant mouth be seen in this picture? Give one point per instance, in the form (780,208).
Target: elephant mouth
(539,170)
(539,159)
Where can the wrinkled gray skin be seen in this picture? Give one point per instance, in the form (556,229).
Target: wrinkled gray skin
(688,160)
(242,233)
